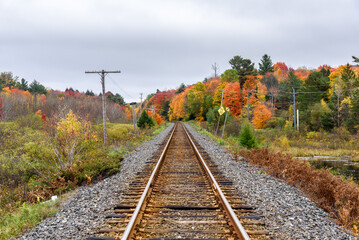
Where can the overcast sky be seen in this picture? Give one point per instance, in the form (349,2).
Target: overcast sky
(160,44)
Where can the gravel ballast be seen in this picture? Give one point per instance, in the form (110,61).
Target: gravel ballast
(287,212)
(84,212)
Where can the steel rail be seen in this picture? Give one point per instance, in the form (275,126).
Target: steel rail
(227,207)
(141,203)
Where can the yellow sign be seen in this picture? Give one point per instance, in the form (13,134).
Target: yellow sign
(227,109)
(221,111)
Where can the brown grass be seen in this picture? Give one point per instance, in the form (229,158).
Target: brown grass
(332,193)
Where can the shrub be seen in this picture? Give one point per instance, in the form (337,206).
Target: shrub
(332,193)
(247,137)
(275,122)
(233,127)
(145,121)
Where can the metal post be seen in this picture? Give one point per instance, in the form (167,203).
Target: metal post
(224,125)
(219,119)
(294,120)
(298,119)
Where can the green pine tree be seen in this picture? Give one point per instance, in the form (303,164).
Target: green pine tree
(145,121)
(247,138)
(266,65)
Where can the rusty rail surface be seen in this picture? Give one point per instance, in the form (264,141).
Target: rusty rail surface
(181,194)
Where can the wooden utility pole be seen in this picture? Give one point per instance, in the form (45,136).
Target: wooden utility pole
(134,120)
(103,73)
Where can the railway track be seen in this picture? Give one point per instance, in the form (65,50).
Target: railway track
(181,194)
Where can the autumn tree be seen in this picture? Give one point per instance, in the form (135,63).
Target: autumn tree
(243,67)
(230,75)
(198,102)
(68,139)
(178,105)
(232,98)
(280,71)
(266,65)
(260,115)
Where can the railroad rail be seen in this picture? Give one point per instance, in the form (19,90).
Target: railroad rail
(182,195)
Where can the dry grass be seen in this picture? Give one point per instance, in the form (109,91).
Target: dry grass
(332,193)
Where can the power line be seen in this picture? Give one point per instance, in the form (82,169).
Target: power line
(113,81)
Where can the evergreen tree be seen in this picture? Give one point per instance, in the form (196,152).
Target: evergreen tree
(318,85)
(37,88)
(286,88)
(266,65)
(356,60)
(350,80)
(247,138)
(243,67)
(117,98)
(23,85)
(89,93)
(145,121)
(181,88)
(165,108)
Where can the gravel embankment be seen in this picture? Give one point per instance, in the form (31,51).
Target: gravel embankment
(288,213)
(85,211)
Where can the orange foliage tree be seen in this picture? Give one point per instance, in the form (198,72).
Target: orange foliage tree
(177,106)
(232,98)
(155,116)
(260,115)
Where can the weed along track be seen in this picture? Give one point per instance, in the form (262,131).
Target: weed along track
(181,195)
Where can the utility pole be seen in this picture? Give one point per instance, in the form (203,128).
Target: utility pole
(295,117)
(134,116)
(247,105)
(141,104)
(215,69)
(103,73)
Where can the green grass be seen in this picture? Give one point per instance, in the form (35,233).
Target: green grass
(25,217)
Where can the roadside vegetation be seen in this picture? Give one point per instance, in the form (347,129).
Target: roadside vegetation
(51,142)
